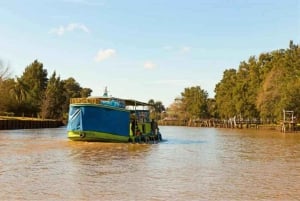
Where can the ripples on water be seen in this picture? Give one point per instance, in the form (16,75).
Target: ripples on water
(192,164)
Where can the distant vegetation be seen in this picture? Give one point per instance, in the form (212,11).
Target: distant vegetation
(35,95)
(259,89)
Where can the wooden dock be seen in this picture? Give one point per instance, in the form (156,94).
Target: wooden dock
(215,123)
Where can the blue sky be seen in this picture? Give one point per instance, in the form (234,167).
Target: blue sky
(143,49)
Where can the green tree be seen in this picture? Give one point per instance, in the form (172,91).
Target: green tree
(177,111)
(85,92)
(52,106)
(246,88)
(72,89)
(20,91)
(225,94)
(261,88)
(212,108)
(194,100)
(279,84)
(5,84)
(35,78)
(7,101)
(156,108)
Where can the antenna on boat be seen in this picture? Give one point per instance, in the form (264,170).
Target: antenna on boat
(105,92)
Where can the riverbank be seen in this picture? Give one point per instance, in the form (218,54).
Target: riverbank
(212,123)
(7,123)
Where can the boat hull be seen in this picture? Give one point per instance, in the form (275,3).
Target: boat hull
(95,122)
(93,136)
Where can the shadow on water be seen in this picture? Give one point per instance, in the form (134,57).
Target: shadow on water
(184,135)
(183,141)
(100,151)
(99,159)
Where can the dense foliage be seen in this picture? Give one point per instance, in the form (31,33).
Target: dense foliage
(194,102)
(260,89)
(35,95)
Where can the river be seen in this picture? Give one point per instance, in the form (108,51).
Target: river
(192,164)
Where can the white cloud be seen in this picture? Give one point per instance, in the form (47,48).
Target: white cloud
(104,54)
(149,65)
(61,30)
(185,49)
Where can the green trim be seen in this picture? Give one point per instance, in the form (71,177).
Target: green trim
(96,136)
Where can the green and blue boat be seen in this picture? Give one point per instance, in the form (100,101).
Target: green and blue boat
(108,119)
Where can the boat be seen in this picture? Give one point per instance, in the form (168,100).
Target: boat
(110,119)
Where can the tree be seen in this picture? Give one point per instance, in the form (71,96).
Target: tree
(263,87)
(175,110)
(52,105)
(245,89)
(279,84)
(212,108)
(19,91)
(225,94)
(85,92)
(159,108)
(4,87)
(35,78)
(156,108)
(72,89)
(194,100)
(7,101)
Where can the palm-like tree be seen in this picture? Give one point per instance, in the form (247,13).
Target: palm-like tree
(20,91)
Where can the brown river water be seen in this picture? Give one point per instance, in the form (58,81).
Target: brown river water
(192,164)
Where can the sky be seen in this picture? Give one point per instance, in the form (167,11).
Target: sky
(143,49)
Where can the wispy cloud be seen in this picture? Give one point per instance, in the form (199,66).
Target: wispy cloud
(105,54)
(149,65)
(61,30)
(185,49)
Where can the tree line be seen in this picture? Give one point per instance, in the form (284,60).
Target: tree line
(34,94)
(261,88)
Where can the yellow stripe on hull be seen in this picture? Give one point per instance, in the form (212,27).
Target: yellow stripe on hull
(96,136)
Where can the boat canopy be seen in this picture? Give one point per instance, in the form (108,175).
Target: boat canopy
(97,100)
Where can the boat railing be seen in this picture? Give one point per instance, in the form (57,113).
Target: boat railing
(85,100)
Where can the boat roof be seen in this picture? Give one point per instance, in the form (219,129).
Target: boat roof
(97,99)
(135,102)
